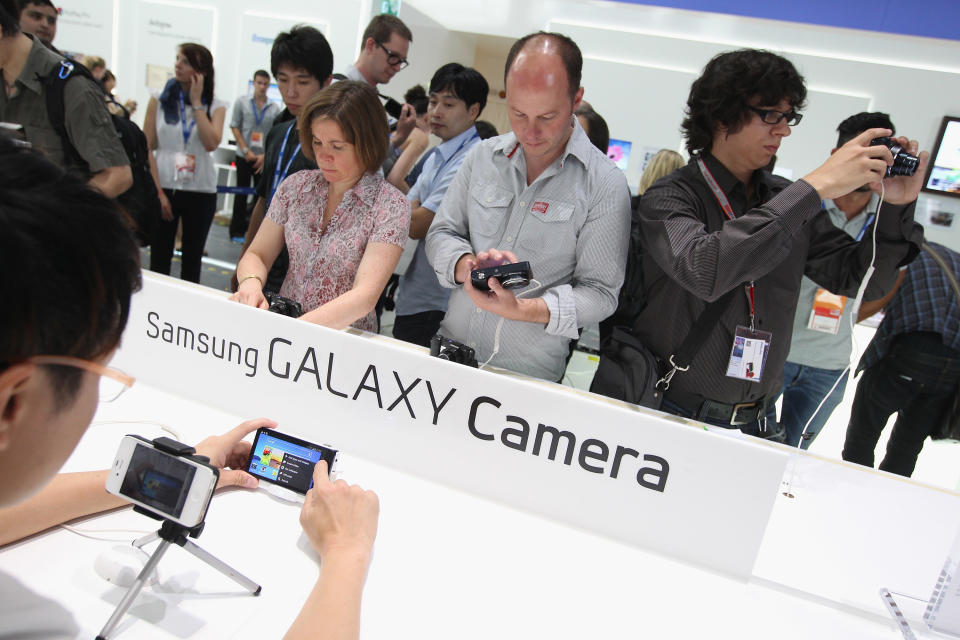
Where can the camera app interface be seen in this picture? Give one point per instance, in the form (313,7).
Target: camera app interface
(157,480)
(286,463)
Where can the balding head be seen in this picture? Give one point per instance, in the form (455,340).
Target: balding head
(541,60)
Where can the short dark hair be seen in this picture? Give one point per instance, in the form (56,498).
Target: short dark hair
(355,107)
(597,129)
(416,97)
(466,83)
(42,3)
(569,54)
(860,122)
(261,73)
(304,48)
(485,129)
(385,25)
(67,244)
(9,18)
(718,98)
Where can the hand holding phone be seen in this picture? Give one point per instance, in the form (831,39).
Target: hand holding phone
(286,462)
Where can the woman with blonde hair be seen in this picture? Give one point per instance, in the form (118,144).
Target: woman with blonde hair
(344,225)
(663,163)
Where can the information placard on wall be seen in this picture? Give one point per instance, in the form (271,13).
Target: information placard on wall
(257,33)
(632,474)
(86,27)
(162,26)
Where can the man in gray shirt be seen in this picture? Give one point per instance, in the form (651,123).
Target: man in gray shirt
(252,119)
(542,194)
(822,338)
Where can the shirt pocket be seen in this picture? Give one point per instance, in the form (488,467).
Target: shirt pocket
(550,233)
(489,210)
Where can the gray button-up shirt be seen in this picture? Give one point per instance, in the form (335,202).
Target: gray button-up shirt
(572,224)
(245,119)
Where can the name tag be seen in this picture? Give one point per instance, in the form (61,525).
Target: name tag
(826,312)
(749,354)
(256,139)
(184,167)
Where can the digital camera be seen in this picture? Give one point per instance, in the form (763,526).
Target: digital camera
(447,349)
(283,306)
(904,164)
(510,276)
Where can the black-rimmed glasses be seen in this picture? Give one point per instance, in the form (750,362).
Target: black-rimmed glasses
(394,59)
(772,116)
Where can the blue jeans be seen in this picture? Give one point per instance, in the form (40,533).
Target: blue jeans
(803,389)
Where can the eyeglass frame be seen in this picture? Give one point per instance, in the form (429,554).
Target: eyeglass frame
(400,60)
(763,115)
(93,367)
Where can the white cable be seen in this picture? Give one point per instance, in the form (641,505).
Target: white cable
(496,334)
(173,433)
(88,533)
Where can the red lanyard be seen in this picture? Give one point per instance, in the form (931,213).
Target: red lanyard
(724,203)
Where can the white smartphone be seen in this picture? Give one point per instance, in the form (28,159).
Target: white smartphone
(174,487)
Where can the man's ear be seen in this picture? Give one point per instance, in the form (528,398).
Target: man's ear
(474,111)
(13,382)
(577,98)
(369,44)
(833,151)
(326,83)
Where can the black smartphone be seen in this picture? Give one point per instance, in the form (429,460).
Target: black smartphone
(287,462)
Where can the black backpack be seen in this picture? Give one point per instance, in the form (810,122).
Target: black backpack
(141,201)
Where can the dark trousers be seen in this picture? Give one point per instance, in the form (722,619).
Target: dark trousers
(196,211)
(418,328)
(241,213)
(917,379)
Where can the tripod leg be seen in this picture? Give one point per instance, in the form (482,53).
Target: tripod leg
(222,567)
(133,591)
(145,540)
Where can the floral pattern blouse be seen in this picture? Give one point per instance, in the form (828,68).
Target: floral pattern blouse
(324,263)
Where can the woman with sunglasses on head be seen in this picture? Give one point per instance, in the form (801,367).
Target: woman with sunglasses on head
(343,224)
(184,126)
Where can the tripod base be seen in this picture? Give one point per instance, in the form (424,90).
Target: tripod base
(170,533)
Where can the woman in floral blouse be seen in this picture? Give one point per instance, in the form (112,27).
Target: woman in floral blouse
(344,225)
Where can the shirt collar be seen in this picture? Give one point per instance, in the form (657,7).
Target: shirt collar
(366,186)
(34,66)
(840,218)
(451,146)
(730,184)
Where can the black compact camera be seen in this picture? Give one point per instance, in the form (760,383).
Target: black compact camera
(447,349)
(283,306)
(510,276)
(904,164)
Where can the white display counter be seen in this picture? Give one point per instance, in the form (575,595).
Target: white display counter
(649,526)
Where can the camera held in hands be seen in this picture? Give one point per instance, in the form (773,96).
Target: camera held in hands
(515,275)
(283,306)
(904,164)
(447,349)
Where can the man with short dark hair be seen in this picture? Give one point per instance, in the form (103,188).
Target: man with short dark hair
(39,18)
(97,153)
(302,64)
(722,229)
(820,348)
(458,95)
(542,194)
(252,119)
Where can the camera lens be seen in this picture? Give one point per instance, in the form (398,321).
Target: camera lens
(443,355)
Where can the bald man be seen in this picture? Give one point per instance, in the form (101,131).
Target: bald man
(543,194)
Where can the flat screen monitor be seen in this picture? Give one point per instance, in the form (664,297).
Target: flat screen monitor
(619,152)
(943,175)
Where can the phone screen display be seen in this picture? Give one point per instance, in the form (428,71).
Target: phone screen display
(286,461)
(158,480)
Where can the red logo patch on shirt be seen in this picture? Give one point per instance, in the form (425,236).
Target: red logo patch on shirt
(540,207)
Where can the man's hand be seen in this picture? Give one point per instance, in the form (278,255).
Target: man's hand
(258,163)
(230,453)
(498,300)
(338,517)
(405,124)
(905,189)
(249,155)
(857,163)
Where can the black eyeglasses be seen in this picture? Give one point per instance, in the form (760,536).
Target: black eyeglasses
(772,116)
(392,58)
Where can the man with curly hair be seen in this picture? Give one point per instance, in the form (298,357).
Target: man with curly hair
(722,230)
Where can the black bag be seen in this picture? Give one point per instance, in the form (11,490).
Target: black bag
(627,370)
(141,201)
(948,428)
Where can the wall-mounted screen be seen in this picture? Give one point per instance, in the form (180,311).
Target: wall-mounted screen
(943,175)
(619,152)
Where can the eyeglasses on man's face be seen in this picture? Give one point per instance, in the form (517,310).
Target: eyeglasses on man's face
(394,59)
(113,382)
(772,116)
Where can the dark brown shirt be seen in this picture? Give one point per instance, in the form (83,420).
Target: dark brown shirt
(778,235)
(87,121)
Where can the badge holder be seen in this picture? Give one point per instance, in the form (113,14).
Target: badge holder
(171,533)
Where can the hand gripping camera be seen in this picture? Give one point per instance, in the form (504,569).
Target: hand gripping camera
(904,164)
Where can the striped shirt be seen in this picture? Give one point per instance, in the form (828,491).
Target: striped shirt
(572,224)
(925,301)
(693,255)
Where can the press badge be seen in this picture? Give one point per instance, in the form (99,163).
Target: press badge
(256,139)
(749,354)
(184,166)
(826,312)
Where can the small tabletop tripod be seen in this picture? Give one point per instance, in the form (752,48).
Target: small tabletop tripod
(171,533)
